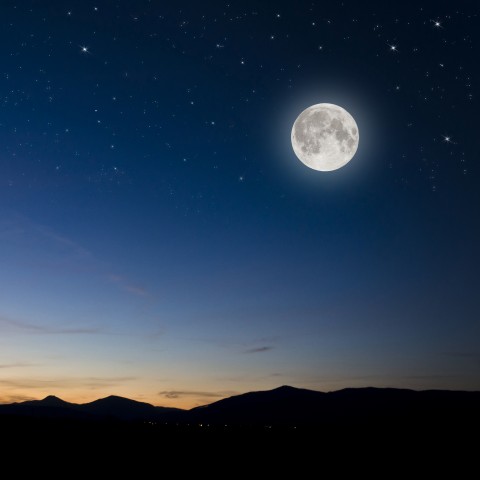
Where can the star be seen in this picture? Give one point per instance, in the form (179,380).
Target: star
(447,139)
(84,49)
(393,48)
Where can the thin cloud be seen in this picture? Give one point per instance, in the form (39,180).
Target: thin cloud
(194,393)
(91,383)
(106,382)
(265,348)
(124,284)
(17,365)
(32,384)
(15,398)
(63,241)
(158,333)
(60,251)
(25,231)
(136,290)
(20,326)
(246,344)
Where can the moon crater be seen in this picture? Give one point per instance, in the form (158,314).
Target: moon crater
(325,137)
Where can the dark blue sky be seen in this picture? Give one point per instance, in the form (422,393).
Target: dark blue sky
(159,238)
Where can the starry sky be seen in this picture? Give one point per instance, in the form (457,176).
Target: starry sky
(160,240)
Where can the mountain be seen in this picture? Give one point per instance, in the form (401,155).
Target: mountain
(49,407)
(112,407)
(126,409)
(288,406)
(50,401)
(279,406)
(284,407)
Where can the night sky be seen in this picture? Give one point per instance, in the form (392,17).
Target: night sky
(160,240)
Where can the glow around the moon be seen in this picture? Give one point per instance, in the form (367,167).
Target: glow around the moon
(325,137)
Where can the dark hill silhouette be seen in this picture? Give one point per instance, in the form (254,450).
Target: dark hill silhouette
(112,407)
(126,409)
(284,406)
(50,401)
(50,407)
(279,406)
(290,406)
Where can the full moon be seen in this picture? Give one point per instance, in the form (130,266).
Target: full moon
(325,137)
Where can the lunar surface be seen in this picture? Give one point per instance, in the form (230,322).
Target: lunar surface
(325,137)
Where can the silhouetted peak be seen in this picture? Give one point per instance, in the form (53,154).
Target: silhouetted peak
(285,388)
(49,401)
(116,400)
(52,399)
(288,391)
(283,406)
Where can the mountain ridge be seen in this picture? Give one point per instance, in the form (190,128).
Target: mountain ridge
(284,405)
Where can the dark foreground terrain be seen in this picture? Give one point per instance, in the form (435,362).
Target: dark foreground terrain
(284,408)
(353,428)
(283,411)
